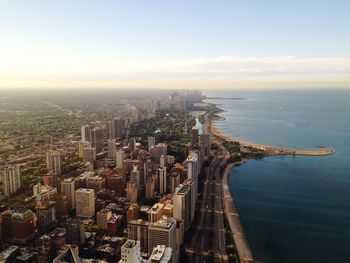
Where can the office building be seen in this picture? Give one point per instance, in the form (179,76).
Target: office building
(11,180)
(151,142)
(112,150)
(138,230)
(68,189)
(161,254)
(182,204)
(157,151)
(85,202)
(89,154)
(118,128)
(163,232)
(53,162)
(130,252)
(96,183)
(155,212)
(97,139)
(194,137)
(85,133)
(46,216)
(75,232)
(163,187)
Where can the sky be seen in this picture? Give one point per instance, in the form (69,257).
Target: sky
(174,44)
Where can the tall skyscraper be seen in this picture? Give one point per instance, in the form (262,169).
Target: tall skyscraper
(11,180)
(46,215)
(75,232)
(151,141)
(85,133)
(163,232)
(120,156)
(182,204)
(97,139)
(138,230)
(157,151)
(89,154)
(163,187)
(108,128)
(195,137)
(68,189)
(112,150)
(85,202)
(118,127)
(53,162)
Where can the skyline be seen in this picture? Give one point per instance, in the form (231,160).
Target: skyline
(166,45)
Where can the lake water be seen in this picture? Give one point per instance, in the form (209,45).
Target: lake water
(293,209)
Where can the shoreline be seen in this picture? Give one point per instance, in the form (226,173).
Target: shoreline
(242,245)
(267,149)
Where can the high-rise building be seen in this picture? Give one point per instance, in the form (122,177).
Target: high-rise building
(96,183)
(108,128)
(132,145)
(156,105)
(81,147)
(85,202)
(161,254)
(89,154)
(11,180)
(97,139)
(102,218)
(46,216)
(75,232)
(157,151)
(53,162)
(18,226)
(85,133)
(204,139)
(150,187)
(194,137)
(151,142)
(133,212)
(44,249)
(112,150)
(163,232)
(182,204)
(61,205)
(120,157)
(68,189)
(131,191)
(118,128)
(138,230)
(155,212)
(193,169)
(163,187)
(130,252)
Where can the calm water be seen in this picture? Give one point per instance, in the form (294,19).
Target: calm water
(293,209)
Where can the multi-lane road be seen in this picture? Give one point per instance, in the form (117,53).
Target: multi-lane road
(207,240)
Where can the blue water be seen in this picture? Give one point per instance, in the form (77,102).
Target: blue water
(293,209)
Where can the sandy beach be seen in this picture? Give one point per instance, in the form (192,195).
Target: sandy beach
(270,150)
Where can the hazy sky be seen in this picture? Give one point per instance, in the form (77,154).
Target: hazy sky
(181,44)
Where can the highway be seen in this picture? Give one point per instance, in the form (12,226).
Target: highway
(207,243)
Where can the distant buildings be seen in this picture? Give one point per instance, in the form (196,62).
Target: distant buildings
(10,178)
(97,139)
(85,133)
(157,151)
(53,162)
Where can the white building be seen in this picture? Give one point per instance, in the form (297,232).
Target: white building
(53,162)
(130,252)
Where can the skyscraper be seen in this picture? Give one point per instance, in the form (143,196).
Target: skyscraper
(163,187)
(46,215)
(97,139)
(194,137)
(163,232)
(53,162)
(11,181)
(182,204)
(85,202)
(85,133)
(68,189)
(118,127)
(112,150)
(151,141)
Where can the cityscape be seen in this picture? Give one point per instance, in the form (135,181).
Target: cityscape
(174,131)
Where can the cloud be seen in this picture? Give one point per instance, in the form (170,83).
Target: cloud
(224,71)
